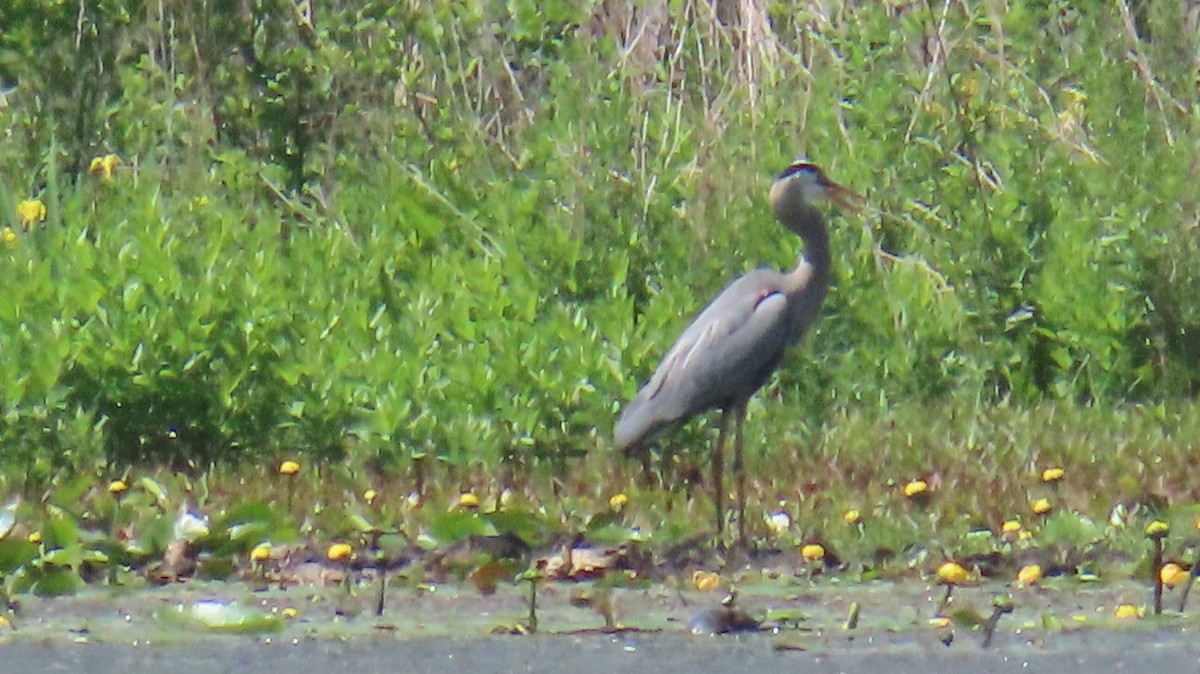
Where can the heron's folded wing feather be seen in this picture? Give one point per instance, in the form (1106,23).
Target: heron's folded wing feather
(722,355)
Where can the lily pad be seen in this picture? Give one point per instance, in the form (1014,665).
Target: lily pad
(221,616)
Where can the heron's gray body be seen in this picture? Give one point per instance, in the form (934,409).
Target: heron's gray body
(728,352)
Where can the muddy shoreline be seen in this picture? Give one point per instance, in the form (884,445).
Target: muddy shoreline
(1066,627)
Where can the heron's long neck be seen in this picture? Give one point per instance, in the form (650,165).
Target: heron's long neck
(813,266)
(807,284)
(816,248)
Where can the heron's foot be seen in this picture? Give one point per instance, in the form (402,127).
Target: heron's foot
(719,547)
(744,547)
(738,552)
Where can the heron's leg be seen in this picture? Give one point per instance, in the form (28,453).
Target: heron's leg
(739,472)
(718,471)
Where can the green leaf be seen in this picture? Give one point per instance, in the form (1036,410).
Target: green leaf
(59,582)
(154,489)
(61,530)
(455,526)
(15,554)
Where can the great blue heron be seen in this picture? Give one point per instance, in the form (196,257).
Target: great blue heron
(734,345)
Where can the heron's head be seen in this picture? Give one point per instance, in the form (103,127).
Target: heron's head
(803,185)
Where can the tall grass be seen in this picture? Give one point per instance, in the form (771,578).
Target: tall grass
(467,231)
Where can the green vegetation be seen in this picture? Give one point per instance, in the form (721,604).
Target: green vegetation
(436,244)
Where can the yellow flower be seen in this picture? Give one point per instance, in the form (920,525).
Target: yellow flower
(117,486)
(35,537)
(261,552)
(1052,475)
(30,212)
(290,612)
(289,467)
(915,488)
(706,581)
(1171,574)
(1030,574)
(1157,529)
(468,500)
(813,552)
(370,495)
(1010,527)
(618,501)
(1128,611)
(1041,506)
(339,552)
(104,166)
(852,517)
(953,573)
(9,237)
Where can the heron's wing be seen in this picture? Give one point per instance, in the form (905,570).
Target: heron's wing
(728,344)
(726,353)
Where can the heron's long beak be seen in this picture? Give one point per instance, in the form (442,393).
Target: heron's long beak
(845,198)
